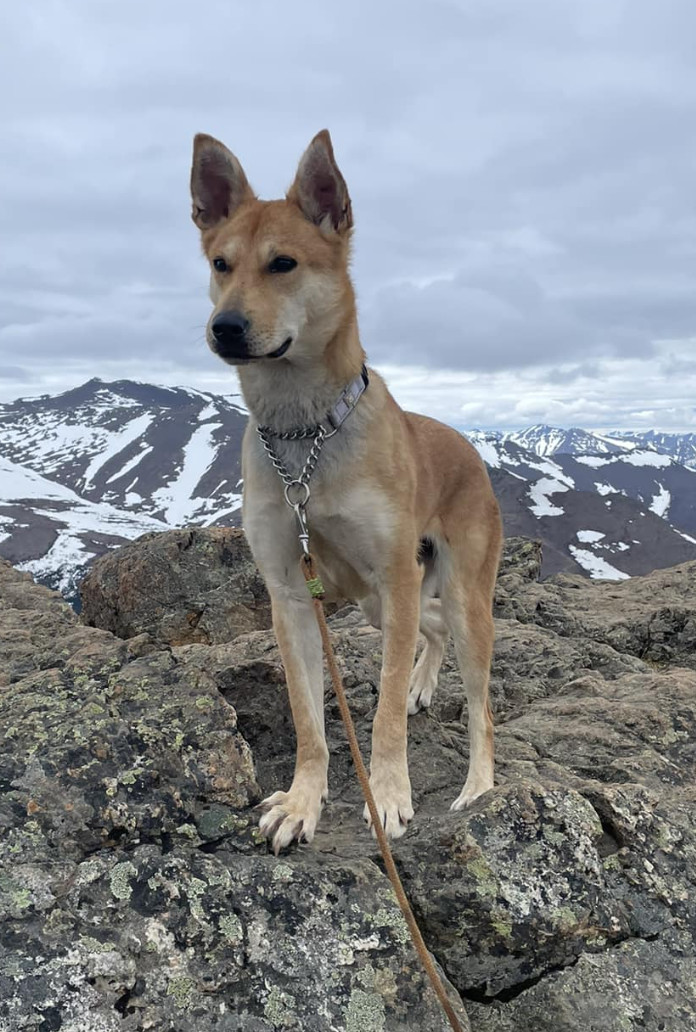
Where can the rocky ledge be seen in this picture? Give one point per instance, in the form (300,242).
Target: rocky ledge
(135,893)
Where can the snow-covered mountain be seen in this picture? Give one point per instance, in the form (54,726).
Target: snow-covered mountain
(52,532)
(88,469)
(170,453)
(614,514)
(550,440)
(83,471)
(680,447)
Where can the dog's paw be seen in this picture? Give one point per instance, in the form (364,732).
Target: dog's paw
(391,789)
(291,816)
(420,696)
(471,791)
(422,684)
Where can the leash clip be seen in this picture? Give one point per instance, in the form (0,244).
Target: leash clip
(303,533)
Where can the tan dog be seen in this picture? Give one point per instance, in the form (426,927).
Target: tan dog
(402,516)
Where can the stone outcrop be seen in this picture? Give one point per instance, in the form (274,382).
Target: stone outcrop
(180,586)
(563,900)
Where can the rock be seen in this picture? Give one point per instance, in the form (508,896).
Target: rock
(562,900)
(105,742)
(637,985)
(130,863)
(520,562)
(185,940)
(652,617)
(181,586)
(576,870)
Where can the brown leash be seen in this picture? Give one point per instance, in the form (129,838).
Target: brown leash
(316,590)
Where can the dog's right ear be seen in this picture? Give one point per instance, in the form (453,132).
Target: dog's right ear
(218,182)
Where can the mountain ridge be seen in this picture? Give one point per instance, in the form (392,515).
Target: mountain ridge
(137,457)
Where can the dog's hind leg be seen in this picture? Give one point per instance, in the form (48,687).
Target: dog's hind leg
(424,675)
(467,572)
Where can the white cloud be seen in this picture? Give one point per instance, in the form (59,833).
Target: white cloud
(520,174)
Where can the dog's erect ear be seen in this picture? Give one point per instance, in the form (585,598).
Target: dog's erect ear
(319,189)
(218,182)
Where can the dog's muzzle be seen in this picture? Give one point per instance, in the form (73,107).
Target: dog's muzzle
(230,330)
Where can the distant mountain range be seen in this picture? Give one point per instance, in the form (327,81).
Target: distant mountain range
(83,471)
(550,440)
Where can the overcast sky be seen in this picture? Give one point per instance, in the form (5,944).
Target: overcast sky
(523,176)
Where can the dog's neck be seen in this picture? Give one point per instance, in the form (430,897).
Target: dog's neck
(287,394)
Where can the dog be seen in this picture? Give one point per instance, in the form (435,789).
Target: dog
(401,513)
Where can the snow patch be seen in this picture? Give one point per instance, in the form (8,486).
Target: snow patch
(661,502)
(647,458)
(539,495)
(555,472)
(588,536)
(177,498)
(115,443)
(130,464)
(592,460)
(598,568)
(488,453)
(209,412)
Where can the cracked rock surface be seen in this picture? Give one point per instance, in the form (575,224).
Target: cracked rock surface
(182,586)
(134,892)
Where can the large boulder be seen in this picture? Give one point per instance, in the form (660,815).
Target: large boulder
(181,586)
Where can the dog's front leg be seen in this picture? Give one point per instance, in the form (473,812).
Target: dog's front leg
(389,778)
(294,814)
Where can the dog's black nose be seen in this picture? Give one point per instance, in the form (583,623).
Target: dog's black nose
(230,329)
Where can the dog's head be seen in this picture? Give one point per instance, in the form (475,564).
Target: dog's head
(278,269)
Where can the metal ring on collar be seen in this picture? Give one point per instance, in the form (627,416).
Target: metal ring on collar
(297,484)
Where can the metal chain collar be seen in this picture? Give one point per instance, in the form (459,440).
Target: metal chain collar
(296,489)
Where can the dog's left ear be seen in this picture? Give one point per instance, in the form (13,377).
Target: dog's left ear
(319,189)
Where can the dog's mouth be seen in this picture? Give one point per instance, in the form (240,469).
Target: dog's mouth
(279,352)
(238,356)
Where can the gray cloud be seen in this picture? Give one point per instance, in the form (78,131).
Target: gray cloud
(521,175)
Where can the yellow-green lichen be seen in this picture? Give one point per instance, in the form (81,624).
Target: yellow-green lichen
(282,873)
(181,989)
(394,921)
(231,928)
(502,923)
(486,881)
(120,883)
(564,918)
(365,1012)
(94,946)
(280,1008)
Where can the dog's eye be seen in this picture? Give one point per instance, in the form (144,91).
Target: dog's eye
(220,265)
(282,264)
